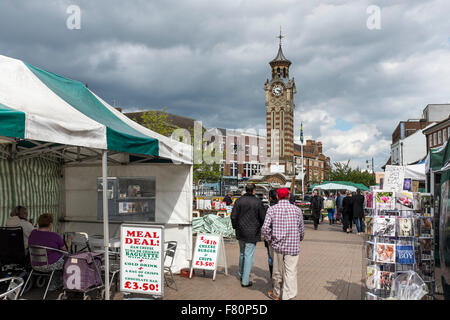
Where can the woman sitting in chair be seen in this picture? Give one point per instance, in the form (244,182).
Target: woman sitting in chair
(45,237)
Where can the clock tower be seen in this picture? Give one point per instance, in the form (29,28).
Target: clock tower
(280,91)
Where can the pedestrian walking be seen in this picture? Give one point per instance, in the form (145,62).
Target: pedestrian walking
(247,218)
(283,229)
(358,211)
(347,204)
(329,205)
(273,200)
(339,207)
(316,208)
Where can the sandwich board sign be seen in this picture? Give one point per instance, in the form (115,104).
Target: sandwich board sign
(209,252)
(142,259)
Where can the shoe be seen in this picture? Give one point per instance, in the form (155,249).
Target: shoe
(272,295)
(348,230)
(247,285)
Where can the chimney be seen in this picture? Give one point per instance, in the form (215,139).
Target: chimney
(319,147)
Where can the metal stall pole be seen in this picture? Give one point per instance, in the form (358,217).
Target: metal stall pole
(105,221)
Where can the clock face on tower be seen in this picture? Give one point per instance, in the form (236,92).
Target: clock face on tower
(277,90)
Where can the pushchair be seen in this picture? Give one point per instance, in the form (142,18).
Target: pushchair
(82,276)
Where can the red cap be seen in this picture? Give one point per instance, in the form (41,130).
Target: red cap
(282,193)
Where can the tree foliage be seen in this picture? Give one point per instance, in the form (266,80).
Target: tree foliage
(158,121)
(343,172)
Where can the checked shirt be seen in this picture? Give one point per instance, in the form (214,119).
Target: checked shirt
(284,227)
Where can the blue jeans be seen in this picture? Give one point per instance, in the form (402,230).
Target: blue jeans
(359,224)
(331,215)
(247,250)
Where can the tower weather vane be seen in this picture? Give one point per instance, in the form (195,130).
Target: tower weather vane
(280,36)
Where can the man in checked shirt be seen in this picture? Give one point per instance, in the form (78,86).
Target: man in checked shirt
(284,229)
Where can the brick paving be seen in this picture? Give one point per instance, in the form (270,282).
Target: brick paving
(330,268)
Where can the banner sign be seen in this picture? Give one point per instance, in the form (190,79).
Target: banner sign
(142,259)
(394,178)
(208,248)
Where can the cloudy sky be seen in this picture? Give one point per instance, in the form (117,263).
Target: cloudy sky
(208,60)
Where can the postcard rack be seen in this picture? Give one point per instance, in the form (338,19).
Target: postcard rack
(399,236)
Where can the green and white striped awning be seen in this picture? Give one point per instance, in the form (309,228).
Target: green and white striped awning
(41,106)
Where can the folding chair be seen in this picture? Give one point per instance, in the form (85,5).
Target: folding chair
(39,254)
(13,290)
(168,261)
(78,238)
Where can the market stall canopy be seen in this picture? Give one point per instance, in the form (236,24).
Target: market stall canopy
(437,158)
(415,172)
(335,186)
(41,106)
(344,185)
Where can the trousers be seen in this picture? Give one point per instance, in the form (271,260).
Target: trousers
(247,251)
(284,276)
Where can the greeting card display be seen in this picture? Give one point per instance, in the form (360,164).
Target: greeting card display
(384,227)
(425,249)
(384,200)
(404,200)
(369,248)
(425,227)
(405,254)
(368,221)
(425,202)
(407,184)
(405,227)
(386,279)
(385,253)
(372,277)
(369,200)
(399,239)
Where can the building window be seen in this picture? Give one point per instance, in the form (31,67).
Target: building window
(282,120)
(235,148)
(273,120)
(430,140)
(444,132)
(282,147)
(435,138)
(439,137)
(247,150)
(234,169)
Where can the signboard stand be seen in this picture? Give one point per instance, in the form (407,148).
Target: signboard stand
(142,259)
(209,252)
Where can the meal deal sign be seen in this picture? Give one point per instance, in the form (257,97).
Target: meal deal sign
(206,249)
(142,259)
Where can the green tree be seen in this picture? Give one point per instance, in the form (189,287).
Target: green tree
(157,121)
(343,172)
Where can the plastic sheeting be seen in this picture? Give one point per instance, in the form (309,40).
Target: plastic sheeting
(214,224)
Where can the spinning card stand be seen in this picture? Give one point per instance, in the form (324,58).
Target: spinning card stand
(399,236)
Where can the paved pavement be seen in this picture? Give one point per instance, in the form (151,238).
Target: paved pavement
(330,268)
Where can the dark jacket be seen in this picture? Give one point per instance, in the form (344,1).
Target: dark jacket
(247,218)
(358,206)
(316,205)
(347,203)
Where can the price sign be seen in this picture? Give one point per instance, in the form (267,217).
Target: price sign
(141,259)
(208,248)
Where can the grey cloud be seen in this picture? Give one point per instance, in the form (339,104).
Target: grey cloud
(209,59)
